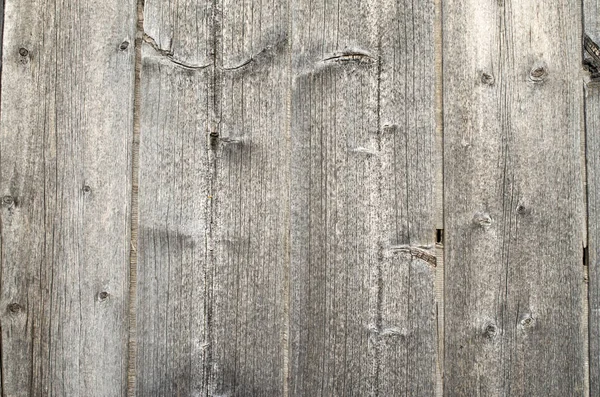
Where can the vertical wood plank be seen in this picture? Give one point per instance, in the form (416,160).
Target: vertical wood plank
(591,27)
(362,221)
(173,318)
(213,199)
(592,106)
(250,199)
(173,355)
(513,198)
(65,140)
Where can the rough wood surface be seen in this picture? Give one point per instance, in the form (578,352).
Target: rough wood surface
(65,139)
(250,199)
(592,104)
(362,222)
(283,240)
(213,199)
(591,27)
(513,199)
(173,301)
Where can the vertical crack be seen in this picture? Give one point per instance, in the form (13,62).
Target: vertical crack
(135,162)
(211,381)
(439,193)
(287,219)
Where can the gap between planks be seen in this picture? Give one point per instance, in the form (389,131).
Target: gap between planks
(439,195)
(135,165)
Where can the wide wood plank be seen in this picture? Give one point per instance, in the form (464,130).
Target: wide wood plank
(362,222)
(513,199)
(65,147)
(213,200)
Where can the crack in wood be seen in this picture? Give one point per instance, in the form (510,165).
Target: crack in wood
(419,252)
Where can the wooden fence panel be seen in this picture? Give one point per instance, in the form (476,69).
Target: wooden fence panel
(362,227)
(513,199)
(284,211)
(65,154)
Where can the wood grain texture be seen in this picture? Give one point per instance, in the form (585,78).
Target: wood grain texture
(213,200)
(65,140)
(513,199)
(250,191)
(593,179)
(173,356)
(362,222)
(591,27)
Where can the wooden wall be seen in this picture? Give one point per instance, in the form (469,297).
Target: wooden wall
(299,198)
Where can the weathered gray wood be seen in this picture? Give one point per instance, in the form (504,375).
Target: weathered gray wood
(513,198)
(591,27)
(65,140)
(213,199)
(250,190)
(362,222)
(592,104)
(173,305)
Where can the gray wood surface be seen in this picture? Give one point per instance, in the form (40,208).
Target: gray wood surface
(362,222)
(250,204)
(65,140)
(513,199)
(593,171)
(245,202)
(213,199)
(591,27)
(174,267)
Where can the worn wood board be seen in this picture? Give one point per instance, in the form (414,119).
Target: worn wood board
(513,199)
(65,146)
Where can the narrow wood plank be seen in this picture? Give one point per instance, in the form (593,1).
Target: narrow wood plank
(592,106)
(213,200)
(173,318)
(65,140)
(250,191)
(591,27)
(362,222)
(513,198)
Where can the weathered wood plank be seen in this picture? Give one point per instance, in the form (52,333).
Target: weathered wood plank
(592,105)
(591,27)
(213,201)
(362,222)
(513,199)
(250,191)
(172,321)
(65,140)
(173,318)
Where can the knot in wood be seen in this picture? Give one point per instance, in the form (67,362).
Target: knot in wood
(490,331)
(538,74)
(527,322)
(487,79)
(483,220)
